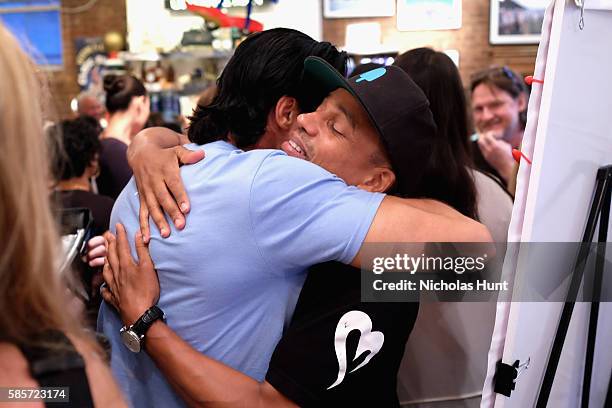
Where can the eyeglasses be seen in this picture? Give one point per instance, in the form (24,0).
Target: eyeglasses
(496,72)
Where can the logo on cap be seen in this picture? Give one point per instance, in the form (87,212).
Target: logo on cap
(372,75)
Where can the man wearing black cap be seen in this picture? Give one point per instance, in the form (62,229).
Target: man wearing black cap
(310,365)
(339,351)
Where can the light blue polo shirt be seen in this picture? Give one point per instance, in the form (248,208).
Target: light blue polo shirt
(230,279)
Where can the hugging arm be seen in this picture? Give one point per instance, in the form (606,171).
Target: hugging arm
(200,380)
(155,156)
(204,381)
(156,169)
(421,220)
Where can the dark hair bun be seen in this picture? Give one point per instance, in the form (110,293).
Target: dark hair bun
(109,82)
(120,89)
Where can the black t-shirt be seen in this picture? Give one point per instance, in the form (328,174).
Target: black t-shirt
(100,206)
(318,361)
(115,172)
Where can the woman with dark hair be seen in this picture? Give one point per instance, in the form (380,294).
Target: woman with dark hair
(74,169)
(449,178)
(499,105)
(128,107)
(451,338)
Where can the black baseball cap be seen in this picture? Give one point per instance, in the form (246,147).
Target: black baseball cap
(398,109)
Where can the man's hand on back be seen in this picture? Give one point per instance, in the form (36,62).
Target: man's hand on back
(155,157)
(132,287)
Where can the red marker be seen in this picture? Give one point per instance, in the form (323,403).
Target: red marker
(529,79)
(517,156)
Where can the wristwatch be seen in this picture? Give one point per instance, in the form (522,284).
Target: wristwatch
(133,336)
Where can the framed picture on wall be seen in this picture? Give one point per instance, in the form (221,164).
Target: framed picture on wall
(516,21)
(415,15)
(358,8)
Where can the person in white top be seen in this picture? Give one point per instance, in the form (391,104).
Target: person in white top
(446,356)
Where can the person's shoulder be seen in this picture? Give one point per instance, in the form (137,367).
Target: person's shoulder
(280,165)
(104,200)
(226,149)
(488,185)
(267,163)
(222,153)
(112,143)
(112,150)
(223,162)
(96,202)
(216,147)
(494,205)
(91,196)
(278,176)
(103,203)
(125,207)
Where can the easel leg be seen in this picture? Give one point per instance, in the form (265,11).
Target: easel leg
(603,185)
(608,402)
(597,282)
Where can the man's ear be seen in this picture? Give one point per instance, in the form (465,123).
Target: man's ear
(379,180)
(286,112)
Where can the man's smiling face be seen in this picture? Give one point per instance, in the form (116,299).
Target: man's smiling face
(496,111)
(339,137)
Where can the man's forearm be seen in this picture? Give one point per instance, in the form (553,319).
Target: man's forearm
(203,381)
(420,221)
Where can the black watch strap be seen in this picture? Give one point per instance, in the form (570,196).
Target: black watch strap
(147,319)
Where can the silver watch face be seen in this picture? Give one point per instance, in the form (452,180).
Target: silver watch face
(130,340)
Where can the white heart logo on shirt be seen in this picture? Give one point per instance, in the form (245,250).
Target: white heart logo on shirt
(368,341)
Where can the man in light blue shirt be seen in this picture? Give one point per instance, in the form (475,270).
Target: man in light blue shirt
(231,278)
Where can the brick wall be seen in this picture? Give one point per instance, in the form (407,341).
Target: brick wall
(471,40)
(104,16)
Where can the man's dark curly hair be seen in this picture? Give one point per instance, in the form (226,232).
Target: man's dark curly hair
(264,67)
(79,146)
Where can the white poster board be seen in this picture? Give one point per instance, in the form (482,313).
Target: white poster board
(568,137)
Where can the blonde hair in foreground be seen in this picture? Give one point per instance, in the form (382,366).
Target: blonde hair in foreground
(32,292)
